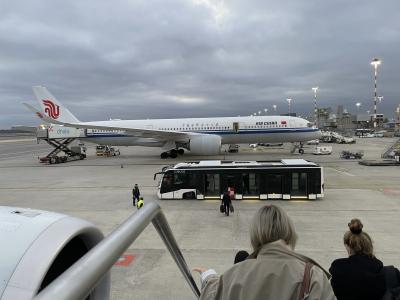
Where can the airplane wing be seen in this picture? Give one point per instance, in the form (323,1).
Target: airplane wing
(137,132)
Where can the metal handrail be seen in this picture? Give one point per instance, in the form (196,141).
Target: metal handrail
(82,277)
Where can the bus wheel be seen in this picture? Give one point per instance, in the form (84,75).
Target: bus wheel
(301,151)
(189,195)
(164,155)
(181,151)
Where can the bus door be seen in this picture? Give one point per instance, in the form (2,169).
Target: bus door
(272,186)
(231,181)
(212,185)
(250,185)
(299,185)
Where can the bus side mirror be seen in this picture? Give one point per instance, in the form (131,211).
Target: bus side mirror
(155,175)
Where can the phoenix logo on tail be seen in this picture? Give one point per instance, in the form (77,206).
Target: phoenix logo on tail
(52,110)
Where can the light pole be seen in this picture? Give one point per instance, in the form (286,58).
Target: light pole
(380,98)
(259,112)
(375,62)
(315,89)
(289,100)
(398,118)
(274,107)
(266,111)
(358,104)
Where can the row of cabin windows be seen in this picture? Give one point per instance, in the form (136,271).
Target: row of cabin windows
(211,128)
(266,126)
(195,128)
(105,131)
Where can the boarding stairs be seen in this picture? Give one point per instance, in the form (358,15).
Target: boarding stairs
(391,150)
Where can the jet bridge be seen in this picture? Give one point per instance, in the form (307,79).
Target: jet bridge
(61,138)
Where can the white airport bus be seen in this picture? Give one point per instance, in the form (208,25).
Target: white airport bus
(209,179)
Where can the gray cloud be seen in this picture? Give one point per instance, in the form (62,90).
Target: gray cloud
(161,59)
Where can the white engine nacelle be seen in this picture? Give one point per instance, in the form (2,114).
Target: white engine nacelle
(38,246)
(205,145)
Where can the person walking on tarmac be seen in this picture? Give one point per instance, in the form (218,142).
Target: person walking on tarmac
(140,203)
(135,194)
(226,201)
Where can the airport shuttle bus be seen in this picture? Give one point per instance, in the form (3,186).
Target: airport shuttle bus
(284,179)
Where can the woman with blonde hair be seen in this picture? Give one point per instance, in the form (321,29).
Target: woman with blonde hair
(273,270)
(360,276)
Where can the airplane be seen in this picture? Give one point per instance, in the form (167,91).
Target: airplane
(201,136)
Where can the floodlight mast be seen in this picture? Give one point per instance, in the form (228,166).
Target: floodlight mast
(315,89)
(289,100)
(375,63)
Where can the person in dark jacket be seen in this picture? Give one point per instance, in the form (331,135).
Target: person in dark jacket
(135,194)
(360,276)
(226,201)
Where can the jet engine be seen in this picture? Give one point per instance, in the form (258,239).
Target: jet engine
(38,246)
(205,145)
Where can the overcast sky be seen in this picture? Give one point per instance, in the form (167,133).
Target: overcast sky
(192,58)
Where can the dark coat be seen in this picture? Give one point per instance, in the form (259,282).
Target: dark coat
(358,277)
(226,200)
(136,192)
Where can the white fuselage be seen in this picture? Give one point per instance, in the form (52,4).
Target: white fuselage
(232,130)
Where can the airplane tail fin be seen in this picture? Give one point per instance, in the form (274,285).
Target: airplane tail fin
(53,108)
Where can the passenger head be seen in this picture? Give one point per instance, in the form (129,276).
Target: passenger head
(270,224)
(358,241)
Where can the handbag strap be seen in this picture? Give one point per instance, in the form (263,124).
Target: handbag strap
(305,286)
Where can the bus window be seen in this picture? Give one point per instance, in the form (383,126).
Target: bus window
(179,181)
(250,184)
(274,183)
(212,185)
(299,184)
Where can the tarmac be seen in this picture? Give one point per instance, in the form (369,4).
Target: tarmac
(98,189)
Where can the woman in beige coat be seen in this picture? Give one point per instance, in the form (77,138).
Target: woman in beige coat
(274,271)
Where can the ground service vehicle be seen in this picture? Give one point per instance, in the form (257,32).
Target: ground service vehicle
(64,155)
(313,142)
(322,150)
(284,179)
(104,150)
(100,149)
(233,148)
(351,154)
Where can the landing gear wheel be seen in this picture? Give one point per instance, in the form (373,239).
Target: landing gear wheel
(173,154)
(164,155)
(301,151)
(181,151)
